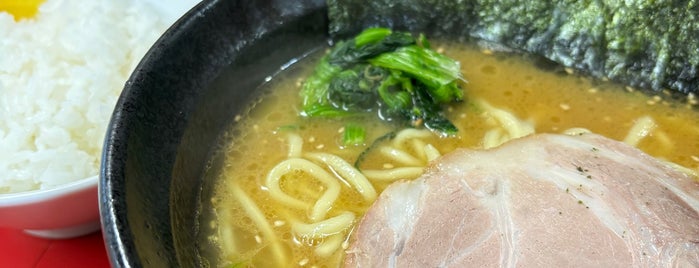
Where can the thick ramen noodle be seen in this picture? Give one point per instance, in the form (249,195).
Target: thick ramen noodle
(288,192)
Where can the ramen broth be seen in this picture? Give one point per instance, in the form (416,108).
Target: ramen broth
(549,100)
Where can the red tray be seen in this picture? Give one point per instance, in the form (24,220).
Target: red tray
(20,250)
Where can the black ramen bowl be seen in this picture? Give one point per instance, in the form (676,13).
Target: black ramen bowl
(175,105)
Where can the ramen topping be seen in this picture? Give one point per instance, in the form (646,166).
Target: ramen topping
(542,201)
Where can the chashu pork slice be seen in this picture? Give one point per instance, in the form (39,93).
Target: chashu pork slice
(540,201)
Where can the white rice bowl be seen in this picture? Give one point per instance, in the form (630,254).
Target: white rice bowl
(60,76)
(61,73)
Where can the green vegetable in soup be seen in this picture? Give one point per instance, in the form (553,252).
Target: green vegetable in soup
(392,73)
(354,135)
(647,44)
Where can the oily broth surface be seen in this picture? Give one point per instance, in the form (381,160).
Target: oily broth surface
(552,101)
(555,101)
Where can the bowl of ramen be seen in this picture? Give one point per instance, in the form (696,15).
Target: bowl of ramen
(305,133)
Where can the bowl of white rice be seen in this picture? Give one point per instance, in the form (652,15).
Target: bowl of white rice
(61,73)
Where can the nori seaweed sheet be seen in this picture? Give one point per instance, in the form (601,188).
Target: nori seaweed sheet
(652,45)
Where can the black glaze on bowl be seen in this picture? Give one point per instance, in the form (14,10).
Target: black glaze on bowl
(167,121)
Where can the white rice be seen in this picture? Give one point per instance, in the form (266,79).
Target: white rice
(60,76)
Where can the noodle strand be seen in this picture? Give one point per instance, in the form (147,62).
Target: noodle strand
(401,156)
(295,145)
(330,245)
(323,205)
(431,153)
(394,173)
(324,228)
(353,176)
(256,215)
(410,134)
(513,126)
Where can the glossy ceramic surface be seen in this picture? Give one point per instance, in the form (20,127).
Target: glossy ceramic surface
(66,211)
